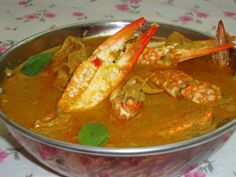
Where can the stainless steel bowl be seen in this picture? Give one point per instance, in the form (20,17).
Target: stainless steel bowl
(77,160)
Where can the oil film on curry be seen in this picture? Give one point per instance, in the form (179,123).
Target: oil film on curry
(131,89)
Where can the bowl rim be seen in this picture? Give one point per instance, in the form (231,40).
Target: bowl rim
(107,151)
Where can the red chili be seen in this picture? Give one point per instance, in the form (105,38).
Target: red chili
(97,62)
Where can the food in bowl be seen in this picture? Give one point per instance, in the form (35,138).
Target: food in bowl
(124,90)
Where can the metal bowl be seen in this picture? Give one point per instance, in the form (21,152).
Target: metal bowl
(78,160)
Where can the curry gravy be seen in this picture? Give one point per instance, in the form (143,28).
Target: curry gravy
(32,102)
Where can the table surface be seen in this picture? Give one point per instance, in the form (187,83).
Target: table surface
(22,18)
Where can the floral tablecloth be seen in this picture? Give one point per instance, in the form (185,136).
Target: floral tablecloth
(22,18)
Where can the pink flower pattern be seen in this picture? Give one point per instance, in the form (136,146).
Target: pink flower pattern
(131,6)
(135,1)
(78,14)
(186,18)
(47,152)
(32,16)
(40,15)
(122,7)
(195,174)
(3,154)
(229,14)
(2,49)
(202,15)
(23,2)
(49,15)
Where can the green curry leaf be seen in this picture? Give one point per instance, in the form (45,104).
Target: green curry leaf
(93,134)
(36,64)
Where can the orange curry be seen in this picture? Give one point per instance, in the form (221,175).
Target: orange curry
(163,116)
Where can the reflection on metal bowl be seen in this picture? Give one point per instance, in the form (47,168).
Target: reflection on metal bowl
(77,160)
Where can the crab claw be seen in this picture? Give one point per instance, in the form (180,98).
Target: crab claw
(98,76)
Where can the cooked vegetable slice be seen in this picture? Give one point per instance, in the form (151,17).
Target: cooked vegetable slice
(36,64)
(149,88)
(93,134)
